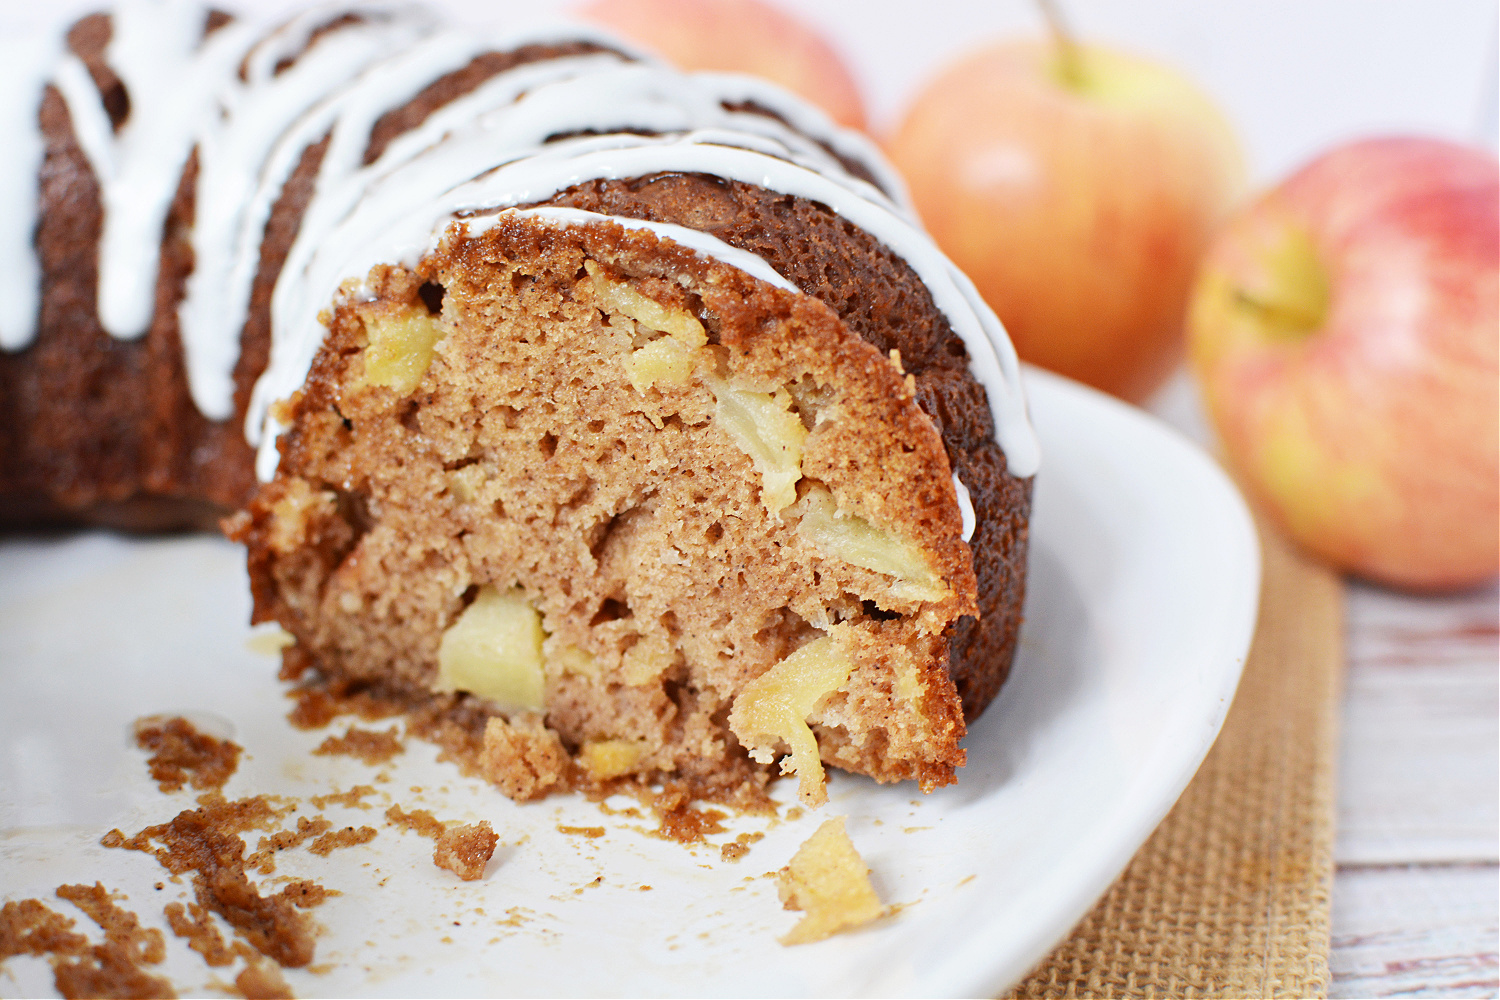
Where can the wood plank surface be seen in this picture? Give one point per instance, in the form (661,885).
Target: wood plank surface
(1416,898)
(1415,931)
(1420,767)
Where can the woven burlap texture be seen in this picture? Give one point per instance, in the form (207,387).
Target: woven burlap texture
(1230,895)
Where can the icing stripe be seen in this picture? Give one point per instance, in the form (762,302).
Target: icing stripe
(172,75)
(809,119)
(965,508)
(696,240)
(232,147)
(25,65)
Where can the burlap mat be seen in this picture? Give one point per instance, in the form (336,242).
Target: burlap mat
(1230,896)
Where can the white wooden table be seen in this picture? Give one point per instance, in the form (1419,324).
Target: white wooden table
(1416,901)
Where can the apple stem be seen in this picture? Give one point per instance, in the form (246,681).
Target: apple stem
(1069,63)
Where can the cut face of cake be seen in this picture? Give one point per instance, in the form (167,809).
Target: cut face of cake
(672,509)
(620,419)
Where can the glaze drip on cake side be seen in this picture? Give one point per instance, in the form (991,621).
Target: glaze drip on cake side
(256,100)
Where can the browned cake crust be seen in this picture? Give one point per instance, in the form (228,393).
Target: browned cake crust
(98,430)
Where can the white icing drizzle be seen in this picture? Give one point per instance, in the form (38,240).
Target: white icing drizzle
(491,150)
(233,147)
(809,119)
(172,74)
(696,240)
(965,507)
(25,64)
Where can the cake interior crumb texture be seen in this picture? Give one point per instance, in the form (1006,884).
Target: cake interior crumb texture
(686,519)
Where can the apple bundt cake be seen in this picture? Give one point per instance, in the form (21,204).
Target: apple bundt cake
(622,419)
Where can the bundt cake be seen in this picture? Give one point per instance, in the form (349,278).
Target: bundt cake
(622,420)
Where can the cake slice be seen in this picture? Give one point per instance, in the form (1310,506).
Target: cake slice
(620,424)
(648,512)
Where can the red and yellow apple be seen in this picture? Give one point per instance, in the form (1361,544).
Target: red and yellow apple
(1344,330)
(739,36)
(1078,187)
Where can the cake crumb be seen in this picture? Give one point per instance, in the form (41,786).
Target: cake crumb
(316,706)
(462,850)
(371,746)
(347,837)
(262,981)
(583,831)
(465,850)
(31,927)
(829,882)
(264,858)
(81,969)
(305,893)
(740,846)
(102,971)
(122,929)
(516,916)
(680,820)
(595,883)
(195,925)
(180,754)
(352,799)
(205,841)
(524,759)
(418,821)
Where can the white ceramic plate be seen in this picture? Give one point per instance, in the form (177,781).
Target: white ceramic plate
(1142,597)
